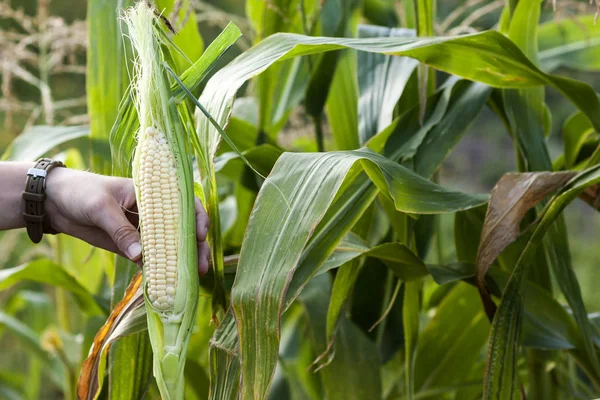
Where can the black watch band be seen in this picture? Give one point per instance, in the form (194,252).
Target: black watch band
(34,196)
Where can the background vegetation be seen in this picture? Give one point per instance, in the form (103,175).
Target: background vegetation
(63,76)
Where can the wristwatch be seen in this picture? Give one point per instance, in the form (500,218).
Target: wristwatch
(34,196)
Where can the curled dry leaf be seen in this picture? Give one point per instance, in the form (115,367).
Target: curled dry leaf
(591,195)
(510,199)
(126,318)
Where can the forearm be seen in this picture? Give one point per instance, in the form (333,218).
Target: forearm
(12,184)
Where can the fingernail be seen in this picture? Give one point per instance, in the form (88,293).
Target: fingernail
(134,250)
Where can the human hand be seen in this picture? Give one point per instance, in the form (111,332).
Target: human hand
(102,211)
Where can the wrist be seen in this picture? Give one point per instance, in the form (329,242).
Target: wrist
(12,183)
(56,193)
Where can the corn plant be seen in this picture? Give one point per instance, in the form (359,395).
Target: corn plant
(354,271)
(162,173)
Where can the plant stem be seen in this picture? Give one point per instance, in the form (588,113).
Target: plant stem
(387,294)
(319,133)
(62,309)
(43,61)
(62,314)
(439,241)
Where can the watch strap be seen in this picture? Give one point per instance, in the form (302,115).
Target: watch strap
(34,196)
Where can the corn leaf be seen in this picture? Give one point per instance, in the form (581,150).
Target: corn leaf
(106,82)
(224,361)
(341,377)
(509,68)
(298,192)
(450,344)
(570,42)
(381,81)
(31,340)
(188,38)
(577,131)
(499,382)
(342,113)
(40,140)
(510,200)
(336,20)
(381,12)
(45,271)
(487,57)
(285,81)
(465,104)
(411,307)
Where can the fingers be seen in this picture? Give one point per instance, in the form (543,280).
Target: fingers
(202,225)
(111,218)
(203,257)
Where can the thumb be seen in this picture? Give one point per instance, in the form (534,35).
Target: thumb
(125,236)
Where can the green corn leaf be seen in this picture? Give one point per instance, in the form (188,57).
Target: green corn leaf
(336,20)
(341,377)
(106,82)
(31,340)
(570,42)
(341,103)
(577,131)
(219,94)
(45,271)
(261,157)
(450,344)
(295,358)
(188,38)
(40,140)
(411,307)
(381,81)
(280,88)
(466,102)
(131,383)
(487,57)
(381,12)
(305,179)
(355,196)
(195,74)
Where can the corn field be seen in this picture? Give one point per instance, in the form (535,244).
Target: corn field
(403,199)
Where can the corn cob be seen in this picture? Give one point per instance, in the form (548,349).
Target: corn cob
(162,172)
(159,206)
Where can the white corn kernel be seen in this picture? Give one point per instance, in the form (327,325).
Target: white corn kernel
(159,208)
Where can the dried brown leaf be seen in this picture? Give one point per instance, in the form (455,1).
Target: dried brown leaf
(88,386)
(591,195)
(510,200)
